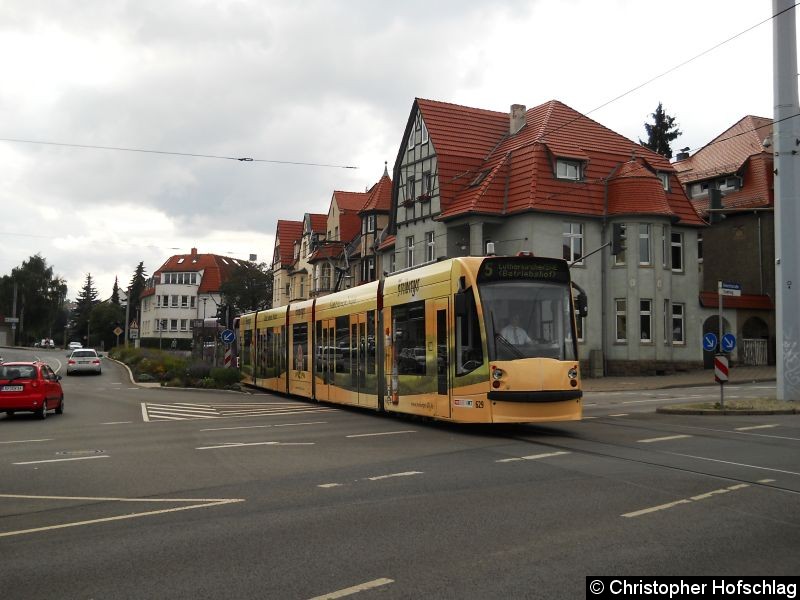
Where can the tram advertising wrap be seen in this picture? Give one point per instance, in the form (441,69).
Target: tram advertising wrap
(467,340)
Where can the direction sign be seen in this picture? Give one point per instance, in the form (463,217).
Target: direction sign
(728,342)
(228,336)
(709,342)
(729,288)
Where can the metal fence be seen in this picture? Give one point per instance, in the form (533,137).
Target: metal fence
(753,352)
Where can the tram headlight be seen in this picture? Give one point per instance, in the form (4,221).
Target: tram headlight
(497,374)
(572,373)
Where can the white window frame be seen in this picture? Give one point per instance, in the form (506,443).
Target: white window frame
(644,238)
(664,177)
(184,301)
(174,302)
(619,259)
(673,244)
(430,246)
(173,324)
(184,324)
(568,169)
(620,313)
(646,315)
(573,232)
(679,317)
(410,251)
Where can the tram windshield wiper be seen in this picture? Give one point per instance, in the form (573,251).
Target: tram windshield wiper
(509,345)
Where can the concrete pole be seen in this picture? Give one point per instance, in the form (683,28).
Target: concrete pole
(786,140)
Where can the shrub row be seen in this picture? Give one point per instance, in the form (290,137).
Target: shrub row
(152,365)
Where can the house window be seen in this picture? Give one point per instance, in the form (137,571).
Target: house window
(427,184)
(579,326)
(573,242)
(664,246)
(410,251)
(194,278)
(392,262)
(430,246)
(677,324)
(173,324)
(646,320)
(184,324)
(664,177)
(192,300)
(336,232)
(568,169)
(410,189)
(175,301)
(644,244)
(184,301)
(620,310)
(165,301)
(302,288)
(676,244)
(619,258)
(700,247)
(666,322)
(425,136)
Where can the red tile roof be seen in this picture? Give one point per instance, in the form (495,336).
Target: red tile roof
(327,250)
(287,233)
(736,151)
(387,243)
(379,197)
(216,269)
(636,189)
(319,223)
(520,168)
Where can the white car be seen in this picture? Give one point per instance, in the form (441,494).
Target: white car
(83,360)
(74,345)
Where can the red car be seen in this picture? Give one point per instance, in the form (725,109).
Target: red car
(30,386)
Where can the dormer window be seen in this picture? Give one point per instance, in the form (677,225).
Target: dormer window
(569,169)
(180,260)
(664,177)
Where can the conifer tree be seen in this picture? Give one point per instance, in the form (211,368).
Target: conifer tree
(137,285)
(87,298)
(115,292)
(661,132)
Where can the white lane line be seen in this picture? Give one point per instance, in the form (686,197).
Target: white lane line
(663,439)
(27,441)
(727,462)
(54,460)
(406,474)
(355,589)
(207,504)
(619,415)
(264,426)
(329,485)
(697,498)
(242,444)
(755,427)
(532,457)
(117,423)
(376,434)
(145,418)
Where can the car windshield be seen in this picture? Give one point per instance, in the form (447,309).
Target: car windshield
(17,372)
(528,319)
(84,354)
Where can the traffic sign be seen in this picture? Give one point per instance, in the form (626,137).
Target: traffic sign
(729,288)
(117,331)
(228,336)
(12,319)
(709,342)
(720,368)
(728,342)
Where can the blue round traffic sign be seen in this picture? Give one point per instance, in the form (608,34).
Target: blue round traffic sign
(228,336)
(728,342)
(710,342)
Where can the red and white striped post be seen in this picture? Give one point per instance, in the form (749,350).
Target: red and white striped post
(721,375)
(228,354)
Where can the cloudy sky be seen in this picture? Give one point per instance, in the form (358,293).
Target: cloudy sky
(329,83)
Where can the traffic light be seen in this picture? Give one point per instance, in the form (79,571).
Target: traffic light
(617,238)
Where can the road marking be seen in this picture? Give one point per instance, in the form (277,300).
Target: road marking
(755,427)
(619,415)
(663,439)
(27,441)
(590,418)
(329,485)
(265,426)
(406,474)
(242,444)
(727,462)
(355,589)
(145,418)
(54,460)
(207,503)
(532,457)
(376,434)
(117,423)
(706,496)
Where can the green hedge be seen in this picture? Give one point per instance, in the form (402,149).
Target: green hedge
(148,364)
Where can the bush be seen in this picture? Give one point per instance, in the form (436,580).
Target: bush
(225,377)
(145,378)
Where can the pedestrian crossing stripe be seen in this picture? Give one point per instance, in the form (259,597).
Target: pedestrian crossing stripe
(184,411)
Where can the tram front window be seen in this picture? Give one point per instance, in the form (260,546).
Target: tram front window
(526,319)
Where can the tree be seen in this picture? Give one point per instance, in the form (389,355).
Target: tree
(661,132)
(40,299)
(87,298)
(115,292)
(137,285)
(248,288)
(105,317)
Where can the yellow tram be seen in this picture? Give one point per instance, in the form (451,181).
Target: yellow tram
(468,340)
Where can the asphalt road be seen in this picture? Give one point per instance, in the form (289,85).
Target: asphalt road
(150,493)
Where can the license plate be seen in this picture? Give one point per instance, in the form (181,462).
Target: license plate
(83,362)
(12,388)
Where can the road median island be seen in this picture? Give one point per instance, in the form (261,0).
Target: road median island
(750,406)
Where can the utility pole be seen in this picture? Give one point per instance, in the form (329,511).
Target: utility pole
(786,140)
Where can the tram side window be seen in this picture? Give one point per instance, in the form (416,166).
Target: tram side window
(246,344)
(409,333)
(371,343)
(319,356)
(268,344)
(300,346)
(469,347)
(343,344)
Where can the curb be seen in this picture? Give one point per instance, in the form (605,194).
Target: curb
(680,385)
(710,411)
(158,386)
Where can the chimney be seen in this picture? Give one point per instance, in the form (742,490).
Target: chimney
(683,154)
(516,118)
(194,251)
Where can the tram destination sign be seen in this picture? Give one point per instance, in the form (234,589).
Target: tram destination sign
(523,268)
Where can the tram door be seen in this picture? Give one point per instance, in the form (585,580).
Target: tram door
(442,360)
(358,363)
(324,357)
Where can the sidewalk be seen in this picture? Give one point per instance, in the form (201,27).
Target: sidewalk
(687,379)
